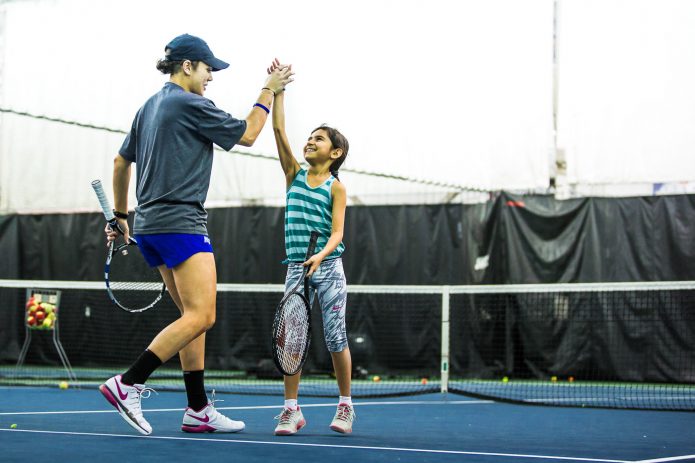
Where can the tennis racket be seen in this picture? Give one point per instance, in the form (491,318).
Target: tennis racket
(292,323)
(131,283)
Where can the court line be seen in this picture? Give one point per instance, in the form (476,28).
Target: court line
(299,444)
(598,399)
(260,407)
(659,460)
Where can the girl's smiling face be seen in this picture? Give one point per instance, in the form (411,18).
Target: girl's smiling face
(318,147)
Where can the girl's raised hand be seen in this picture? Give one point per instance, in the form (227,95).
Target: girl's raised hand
(276,65)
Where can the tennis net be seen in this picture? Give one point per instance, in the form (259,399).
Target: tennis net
(623,345)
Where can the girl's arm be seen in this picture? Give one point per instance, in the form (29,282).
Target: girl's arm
(339,195)
(289,164)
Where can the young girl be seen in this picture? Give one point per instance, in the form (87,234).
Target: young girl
(316,201)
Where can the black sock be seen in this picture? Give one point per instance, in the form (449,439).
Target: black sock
(195,389)
(141,369)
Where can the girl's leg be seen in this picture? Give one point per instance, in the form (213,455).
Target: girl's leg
(292,386)
(291,419)
(342,364)
(331,291)
(294,273)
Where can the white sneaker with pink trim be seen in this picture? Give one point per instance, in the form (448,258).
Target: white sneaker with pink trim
(126,399)
(209,420)
(290,421)
(344,416)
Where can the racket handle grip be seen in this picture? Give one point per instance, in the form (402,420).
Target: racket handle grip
(312,244)
(103,200)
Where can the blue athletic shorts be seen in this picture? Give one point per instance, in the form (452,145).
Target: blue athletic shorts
(171,249)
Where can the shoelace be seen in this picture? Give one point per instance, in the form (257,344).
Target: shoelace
(213,411)
(143,393)
(344,413)
(285,416)
(213,399)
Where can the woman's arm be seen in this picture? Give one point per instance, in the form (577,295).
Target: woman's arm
(121,180)
(277,79)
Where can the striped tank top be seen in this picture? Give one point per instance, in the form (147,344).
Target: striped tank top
(308,209)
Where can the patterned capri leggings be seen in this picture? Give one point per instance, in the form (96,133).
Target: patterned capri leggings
(328,282)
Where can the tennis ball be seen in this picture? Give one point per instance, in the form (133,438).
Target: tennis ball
(423,381)
(553,379)
(505,380)
(13,426)
(63,384)
(376,379)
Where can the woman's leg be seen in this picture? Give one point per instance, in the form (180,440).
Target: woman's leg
(192,356)
(196,285)
(194,290)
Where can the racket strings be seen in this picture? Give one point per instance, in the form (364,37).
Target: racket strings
(292,333)
(135,285)
(132,283)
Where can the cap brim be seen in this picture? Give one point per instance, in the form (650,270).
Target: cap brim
(217,64)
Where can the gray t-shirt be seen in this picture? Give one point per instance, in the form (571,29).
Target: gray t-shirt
(171,143)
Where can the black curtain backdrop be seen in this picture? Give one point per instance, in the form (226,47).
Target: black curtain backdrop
(528,239)
(508,240)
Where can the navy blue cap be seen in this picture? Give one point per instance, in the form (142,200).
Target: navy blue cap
(189,47)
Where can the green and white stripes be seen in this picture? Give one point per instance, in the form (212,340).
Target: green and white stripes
(308,209)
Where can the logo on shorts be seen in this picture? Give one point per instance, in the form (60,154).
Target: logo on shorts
(206,239)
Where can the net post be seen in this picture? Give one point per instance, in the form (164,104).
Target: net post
(444,373)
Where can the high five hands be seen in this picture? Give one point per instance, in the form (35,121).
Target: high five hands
(279,75)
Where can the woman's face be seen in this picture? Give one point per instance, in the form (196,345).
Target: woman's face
(199,78)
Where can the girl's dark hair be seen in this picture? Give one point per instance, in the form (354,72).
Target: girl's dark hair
(338,140)
(172,67)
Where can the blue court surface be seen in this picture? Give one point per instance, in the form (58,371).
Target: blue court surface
(74,425)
